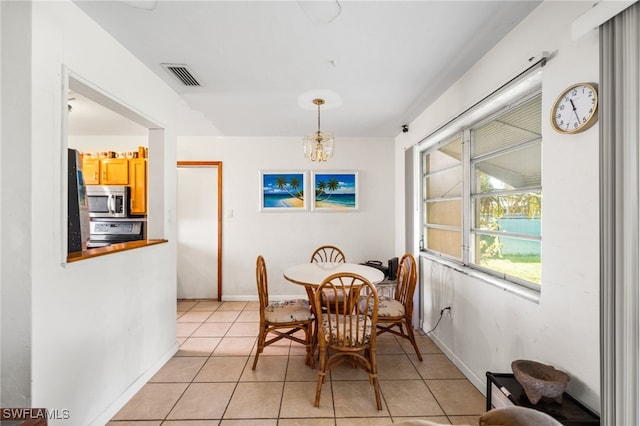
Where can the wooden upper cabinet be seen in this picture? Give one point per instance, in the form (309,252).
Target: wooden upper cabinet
(105,171)
(120,171)
(114,171)
(91,170)
(138,185)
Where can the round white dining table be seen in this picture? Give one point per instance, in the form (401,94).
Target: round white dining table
(312,274)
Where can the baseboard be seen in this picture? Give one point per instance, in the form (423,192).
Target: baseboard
(120,402)
(254,298)
(478,382)
(239,298)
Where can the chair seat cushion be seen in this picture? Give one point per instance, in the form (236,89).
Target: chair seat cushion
(288,311)
(331,296)
(386,307)
(390,308)
(354,331)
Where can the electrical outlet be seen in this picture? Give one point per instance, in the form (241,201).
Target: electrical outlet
(448,311)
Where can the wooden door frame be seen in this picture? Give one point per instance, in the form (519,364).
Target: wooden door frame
(217,164)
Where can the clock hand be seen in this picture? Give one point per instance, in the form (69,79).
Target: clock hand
(574,110)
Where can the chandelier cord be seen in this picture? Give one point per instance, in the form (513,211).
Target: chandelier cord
(337,14)
(318,147)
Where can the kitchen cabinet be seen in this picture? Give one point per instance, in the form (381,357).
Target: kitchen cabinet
(114,171)
(120,171)
(105,171)
(138,185)
(91,170)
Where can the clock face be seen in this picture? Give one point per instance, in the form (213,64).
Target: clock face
(575,109)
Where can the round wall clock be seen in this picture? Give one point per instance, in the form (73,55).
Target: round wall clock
(576,109)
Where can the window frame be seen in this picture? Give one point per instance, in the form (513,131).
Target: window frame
(504,100)
(424,175)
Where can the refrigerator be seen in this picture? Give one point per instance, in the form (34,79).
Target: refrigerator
(78,209)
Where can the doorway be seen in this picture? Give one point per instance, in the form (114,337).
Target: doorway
(199,220)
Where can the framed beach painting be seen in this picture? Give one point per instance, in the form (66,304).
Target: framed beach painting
(335,191)
(283,191)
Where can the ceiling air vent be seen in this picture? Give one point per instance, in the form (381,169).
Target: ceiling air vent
(182,73)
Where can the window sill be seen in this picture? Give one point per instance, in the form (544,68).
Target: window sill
(508,286)
(115,248)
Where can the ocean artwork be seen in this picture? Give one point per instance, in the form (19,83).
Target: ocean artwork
(282,190)
(335,191)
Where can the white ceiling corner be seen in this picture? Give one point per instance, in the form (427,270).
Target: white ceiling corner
(378,64)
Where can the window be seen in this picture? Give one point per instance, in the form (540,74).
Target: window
(442,169)
(482,193)
(93,122)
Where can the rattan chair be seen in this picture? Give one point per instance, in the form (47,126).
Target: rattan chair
(346,333)
(282,318)
(328,254)
(398,310)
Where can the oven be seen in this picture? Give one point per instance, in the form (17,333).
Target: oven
(104,232)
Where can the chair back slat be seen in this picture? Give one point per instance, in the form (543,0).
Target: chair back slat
(281,319)
(346,318)
(407,277)
(261,280)
(328,254)
(347,327)
(389,318)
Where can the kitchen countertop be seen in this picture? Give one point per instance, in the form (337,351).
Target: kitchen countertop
(113,248)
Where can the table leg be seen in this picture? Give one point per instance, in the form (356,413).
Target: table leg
(314,335)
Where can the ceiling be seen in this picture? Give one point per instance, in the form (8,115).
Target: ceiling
(378,64)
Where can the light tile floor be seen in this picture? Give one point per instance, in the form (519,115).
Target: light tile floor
(210,382)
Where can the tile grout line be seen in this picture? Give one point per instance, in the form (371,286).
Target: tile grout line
(211,355)
(164,419)
(246,365)
(284,382)
(404,351)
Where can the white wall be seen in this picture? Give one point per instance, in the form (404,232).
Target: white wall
(490,327)
(98,328)
(285,238)
(98,143)
(86,335)
(16,208)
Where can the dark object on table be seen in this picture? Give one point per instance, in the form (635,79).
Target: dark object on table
(540,380)
(378,265)
(393,268)
(503,390)
(389,271)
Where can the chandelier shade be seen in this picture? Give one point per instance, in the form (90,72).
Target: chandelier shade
(318,146)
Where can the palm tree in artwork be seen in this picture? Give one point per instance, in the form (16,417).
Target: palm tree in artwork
(322,186)
(329,186)
(294,184)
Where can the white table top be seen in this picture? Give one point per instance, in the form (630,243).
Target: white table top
(314,273)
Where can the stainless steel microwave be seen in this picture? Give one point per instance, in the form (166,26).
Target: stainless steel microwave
(108,200)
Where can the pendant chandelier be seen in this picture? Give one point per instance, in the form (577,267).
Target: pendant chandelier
(318,146)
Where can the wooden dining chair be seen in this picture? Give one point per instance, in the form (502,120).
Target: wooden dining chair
(328,254)
(397,311)
(281,318)
(345,333)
